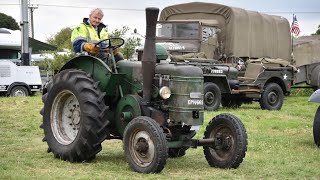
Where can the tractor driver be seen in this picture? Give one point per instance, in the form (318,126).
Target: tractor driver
(91,31)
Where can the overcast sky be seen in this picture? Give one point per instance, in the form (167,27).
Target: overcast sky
(51,16)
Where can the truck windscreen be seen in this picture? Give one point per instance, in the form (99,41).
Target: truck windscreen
(178,30)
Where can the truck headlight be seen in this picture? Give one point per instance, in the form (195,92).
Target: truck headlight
(165,92)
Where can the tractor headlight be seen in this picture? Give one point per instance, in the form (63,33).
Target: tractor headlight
(165,92)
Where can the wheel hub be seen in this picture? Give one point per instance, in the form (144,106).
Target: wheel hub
(272,98)
(65,117)
(209,97)
(223,142)
(19,93)
(142,148)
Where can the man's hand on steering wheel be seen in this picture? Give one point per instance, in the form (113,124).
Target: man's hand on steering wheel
(91,48)
(106,47)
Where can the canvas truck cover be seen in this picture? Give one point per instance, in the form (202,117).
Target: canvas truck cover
(244,33)
(306,50)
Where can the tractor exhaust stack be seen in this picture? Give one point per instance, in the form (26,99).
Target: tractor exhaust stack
(149,53)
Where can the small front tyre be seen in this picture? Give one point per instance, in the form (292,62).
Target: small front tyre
(145,145)
(230,141)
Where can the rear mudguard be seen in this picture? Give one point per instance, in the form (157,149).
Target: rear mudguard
(99,71)
(315,97)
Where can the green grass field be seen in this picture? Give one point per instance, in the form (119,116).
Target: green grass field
(280,146)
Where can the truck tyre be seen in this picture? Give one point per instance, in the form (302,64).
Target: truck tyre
(316,128)
(145,145)
(19,91)
(212,96)
(74,116)
(271,97)
(176,152)
(230,141)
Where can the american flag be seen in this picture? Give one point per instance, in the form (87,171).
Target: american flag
(295,27)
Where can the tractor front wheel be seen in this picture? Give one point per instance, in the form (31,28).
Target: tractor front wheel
(145,145)
(230,141)
(74,121)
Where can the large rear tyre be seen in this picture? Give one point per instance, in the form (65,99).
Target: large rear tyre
(212,96)
(230,141)
(74,121)
(145,145)
(271,97)
(316,128)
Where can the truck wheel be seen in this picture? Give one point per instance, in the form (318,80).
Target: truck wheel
(212,96)
(271,97)
(230,103)
(145,145)
(74,121)
(176,152)
(19,91)
(316,128)
(230,141)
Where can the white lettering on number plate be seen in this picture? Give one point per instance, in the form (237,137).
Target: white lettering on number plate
(195,102)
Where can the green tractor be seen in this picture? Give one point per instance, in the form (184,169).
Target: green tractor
(154,108)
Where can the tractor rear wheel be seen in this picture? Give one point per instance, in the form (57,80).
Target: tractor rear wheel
(74,120)
(145,145)
(316,128)
(230,141)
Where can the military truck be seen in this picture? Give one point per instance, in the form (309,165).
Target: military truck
(244,54)
(307,60)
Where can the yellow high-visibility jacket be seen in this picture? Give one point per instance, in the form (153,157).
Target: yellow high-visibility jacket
(86,33)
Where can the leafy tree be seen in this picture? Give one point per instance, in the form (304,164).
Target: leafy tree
(8,22)
(129,47)
(130,43)
(317,32)
(61,39)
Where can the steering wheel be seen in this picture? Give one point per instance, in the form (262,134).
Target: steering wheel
(109,45)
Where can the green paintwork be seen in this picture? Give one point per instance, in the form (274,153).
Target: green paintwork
(183,81)
(99,70)
(161,53)
(129,106)
(182,108)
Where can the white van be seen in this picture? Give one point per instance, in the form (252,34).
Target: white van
(16,80)
(19,80)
